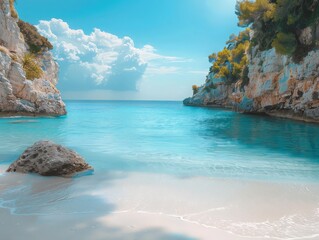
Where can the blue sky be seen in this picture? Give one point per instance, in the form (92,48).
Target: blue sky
(132,49)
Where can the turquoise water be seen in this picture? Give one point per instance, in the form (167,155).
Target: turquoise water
(166,137)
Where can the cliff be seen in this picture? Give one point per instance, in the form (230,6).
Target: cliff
(277,86)
(19,95)
(272,67)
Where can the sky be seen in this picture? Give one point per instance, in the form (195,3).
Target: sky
(132,49)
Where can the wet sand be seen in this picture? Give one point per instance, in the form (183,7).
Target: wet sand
(142,206)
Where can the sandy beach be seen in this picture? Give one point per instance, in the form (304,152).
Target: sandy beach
(150,206)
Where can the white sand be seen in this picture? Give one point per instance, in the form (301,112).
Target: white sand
(149,206)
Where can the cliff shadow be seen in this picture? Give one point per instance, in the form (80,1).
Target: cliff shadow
(288,137)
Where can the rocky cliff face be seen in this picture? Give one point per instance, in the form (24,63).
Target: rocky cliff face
(277,86)
(18,95)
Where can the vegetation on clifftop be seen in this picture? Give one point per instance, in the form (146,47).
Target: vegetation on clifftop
(279,24)
(35,41)
(291,27)
(195,89)
(229,64)
(37,45)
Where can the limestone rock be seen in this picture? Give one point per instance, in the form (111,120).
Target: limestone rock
(278,86)
(49,159)
(19,95)
(10,36)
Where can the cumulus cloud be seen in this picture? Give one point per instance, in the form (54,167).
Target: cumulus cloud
(98,60)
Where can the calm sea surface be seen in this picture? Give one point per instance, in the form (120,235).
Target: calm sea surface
(166,137)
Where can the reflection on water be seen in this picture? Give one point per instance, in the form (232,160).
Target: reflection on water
(169,138)
(289,137)
(22,121)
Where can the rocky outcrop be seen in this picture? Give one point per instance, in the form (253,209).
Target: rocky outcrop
(49,159)
(19,95)
(278,86)
(214,93)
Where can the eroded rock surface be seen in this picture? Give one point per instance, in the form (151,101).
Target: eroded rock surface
(278,86)
(19,95)
(49,159)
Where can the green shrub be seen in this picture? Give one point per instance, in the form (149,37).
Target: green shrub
(212,57)
(35,41)
(195,89)
(251,11)
(285,43)
(31,67)
(229,63)
(277,23)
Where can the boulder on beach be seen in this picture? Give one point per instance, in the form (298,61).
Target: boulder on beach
(49,159)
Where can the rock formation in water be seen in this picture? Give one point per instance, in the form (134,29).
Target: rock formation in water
(49,159)
(275,84)
(19,95)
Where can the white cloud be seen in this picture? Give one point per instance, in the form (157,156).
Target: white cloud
(101,60)
(162,70)
(148,53)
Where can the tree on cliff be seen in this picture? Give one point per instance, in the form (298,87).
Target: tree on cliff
(279,23)
(229,64)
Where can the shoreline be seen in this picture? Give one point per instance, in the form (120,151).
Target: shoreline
(285,114)
(123,205)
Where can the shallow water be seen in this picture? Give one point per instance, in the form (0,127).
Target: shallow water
(169,138)
(164,171)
